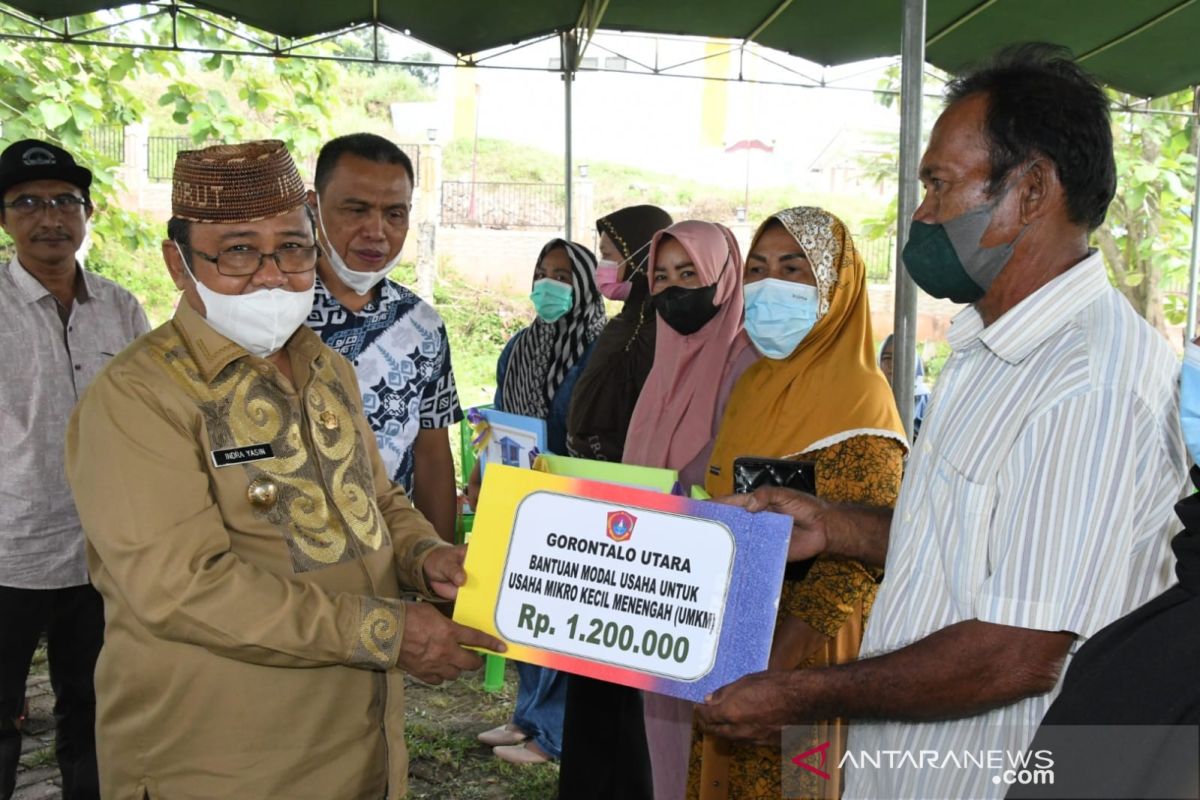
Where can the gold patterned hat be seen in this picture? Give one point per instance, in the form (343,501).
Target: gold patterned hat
(236,183)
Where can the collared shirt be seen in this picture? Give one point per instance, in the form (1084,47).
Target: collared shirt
(1039,496)
(401,353)
(44,367)
(251,552)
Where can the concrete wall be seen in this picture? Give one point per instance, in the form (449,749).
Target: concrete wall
(501,259)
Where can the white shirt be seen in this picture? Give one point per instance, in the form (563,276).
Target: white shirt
(44,367)
(1039,495)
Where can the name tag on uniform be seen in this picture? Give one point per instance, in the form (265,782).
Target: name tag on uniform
(242,455)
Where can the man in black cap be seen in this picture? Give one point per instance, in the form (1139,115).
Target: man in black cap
(60,324)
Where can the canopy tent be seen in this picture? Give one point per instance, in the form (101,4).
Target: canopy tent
(1144,48)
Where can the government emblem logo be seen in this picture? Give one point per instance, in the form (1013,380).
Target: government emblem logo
(620,525)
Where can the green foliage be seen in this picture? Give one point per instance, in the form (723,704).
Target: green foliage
(63,91)
(935,361)
(284,98)
(882,163)
(125,249)
(363,43)
(427,76)
(434,743)
(60,94)
(373,89)
(501,160)
(42,757)
(479,323)
(524,782)
(1146,238)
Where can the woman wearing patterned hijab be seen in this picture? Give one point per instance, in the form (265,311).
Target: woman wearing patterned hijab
(535,376)
(613,378)
(816,395)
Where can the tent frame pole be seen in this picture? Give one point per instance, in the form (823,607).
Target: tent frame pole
(912,72)
(570,54)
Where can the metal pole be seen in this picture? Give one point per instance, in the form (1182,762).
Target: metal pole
(912,68)
(746,199)
(568,76)
(1195,265)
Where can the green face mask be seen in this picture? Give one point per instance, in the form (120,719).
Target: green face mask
(947,260)
(935,265)
(551,299)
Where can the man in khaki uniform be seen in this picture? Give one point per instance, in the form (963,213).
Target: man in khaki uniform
(250,549)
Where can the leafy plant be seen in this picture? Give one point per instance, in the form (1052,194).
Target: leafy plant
(1146,238)
(284,98)
(89,89)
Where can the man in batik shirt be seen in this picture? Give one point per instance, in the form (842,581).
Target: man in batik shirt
(396,341)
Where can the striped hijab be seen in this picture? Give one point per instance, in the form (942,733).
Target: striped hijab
(544,352)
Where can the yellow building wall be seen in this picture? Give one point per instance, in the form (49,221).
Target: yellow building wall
(714,97)
(465,100)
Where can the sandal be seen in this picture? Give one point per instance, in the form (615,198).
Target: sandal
(502,736)
(524,753)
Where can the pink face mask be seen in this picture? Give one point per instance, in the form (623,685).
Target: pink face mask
(607,283)
(607,272)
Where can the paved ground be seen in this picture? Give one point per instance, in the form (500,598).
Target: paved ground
(38,777)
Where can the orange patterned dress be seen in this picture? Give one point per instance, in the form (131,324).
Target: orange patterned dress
(835,598)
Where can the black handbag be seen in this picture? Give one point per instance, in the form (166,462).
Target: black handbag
(751,472)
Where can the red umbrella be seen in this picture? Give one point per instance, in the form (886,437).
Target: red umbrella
(750,144)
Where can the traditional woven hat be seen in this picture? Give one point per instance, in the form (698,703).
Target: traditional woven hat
(236,183)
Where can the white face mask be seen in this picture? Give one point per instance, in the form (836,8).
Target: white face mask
(261,321)
(359,282)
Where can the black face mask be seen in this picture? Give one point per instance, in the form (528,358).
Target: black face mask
(686,310)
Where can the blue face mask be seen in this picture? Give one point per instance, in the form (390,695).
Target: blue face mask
(551,299)
(1189,400)
(779,314)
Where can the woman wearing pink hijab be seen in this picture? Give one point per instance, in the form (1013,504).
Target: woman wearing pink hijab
(695,275)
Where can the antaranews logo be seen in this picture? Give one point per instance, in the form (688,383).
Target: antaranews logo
(1018,767)
(1024,767)
(822,751)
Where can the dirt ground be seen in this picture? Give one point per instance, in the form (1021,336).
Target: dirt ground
(446,762)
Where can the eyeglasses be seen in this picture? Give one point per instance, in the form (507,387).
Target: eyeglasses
(238,263)
(27,205)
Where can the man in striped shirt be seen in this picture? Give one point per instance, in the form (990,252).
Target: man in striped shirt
(1036,507)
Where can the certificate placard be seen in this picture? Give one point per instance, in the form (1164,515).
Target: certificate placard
(654,591)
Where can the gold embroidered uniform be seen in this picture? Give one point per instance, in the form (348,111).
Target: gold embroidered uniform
(251,552)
